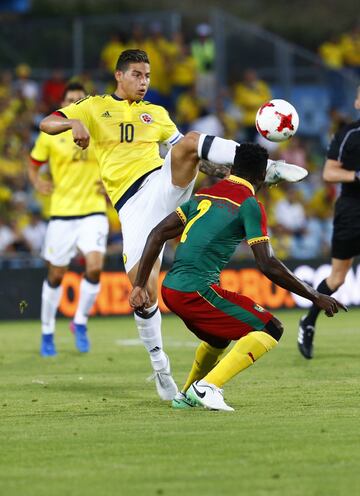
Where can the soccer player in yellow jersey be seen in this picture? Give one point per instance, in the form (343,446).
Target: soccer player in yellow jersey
(77,221)
(125,131)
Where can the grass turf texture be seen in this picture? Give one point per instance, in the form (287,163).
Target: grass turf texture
(91,424)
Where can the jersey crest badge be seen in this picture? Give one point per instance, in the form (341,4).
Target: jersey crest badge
(146,118)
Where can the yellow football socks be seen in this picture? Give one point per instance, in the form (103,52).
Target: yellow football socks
(206,357)
(248,349)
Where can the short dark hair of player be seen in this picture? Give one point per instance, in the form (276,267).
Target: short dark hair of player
(132,56)
(75,86)
(250,162)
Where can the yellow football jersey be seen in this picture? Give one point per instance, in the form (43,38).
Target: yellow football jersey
(75,174)
(125,138)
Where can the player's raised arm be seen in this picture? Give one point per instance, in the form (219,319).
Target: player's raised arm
(278,273)
(169,228)
(56,123)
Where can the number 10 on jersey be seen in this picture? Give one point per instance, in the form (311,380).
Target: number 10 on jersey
(126,132)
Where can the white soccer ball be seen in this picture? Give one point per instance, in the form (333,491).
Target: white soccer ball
(277,120)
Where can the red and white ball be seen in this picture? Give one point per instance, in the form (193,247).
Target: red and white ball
(277,120)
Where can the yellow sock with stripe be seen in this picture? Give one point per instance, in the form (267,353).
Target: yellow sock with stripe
(206,357)
(248,349)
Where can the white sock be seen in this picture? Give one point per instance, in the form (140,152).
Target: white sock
(50,299)
(150,334)
(217,150)
(88,294)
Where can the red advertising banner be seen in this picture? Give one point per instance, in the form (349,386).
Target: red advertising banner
(115,289)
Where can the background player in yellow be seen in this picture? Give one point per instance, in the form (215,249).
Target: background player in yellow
(77,221)
(126,131)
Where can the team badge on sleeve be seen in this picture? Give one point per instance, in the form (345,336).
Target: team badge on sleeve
(259,308)
(146,118)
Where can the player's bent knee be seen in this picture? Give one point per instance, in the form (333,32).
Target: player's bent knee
(93,275)
(55,276)
(190,141)
(153,295)
(275,328)
(216,342)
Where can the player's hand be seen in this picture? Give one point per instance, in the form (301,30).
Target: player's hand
(329,304)
(139,298)
(80,133)
(44,186)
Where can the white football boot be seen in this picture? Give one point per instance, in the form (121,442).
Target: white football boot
(208,396)
(165,384)
(279,170)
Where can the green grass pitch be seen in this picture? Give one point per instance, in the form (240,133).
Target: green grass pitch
(92,425)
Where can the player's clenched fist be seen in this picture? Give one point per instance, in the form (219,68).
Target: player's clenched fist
(139,298)
(81,134)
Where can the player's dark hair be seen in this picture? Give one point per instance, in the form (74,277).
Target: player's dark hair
(250,162)
(130,57)
(74,86)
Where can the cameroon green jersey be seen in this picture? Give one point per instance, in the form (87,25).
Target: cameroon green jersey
(216,220)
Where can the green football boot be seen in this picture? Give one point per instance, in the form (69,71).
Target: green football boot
(182,401)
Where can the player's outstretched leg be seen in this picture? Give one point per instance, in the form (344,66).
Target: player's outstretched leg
(207,392)
(206,357)
(221,151)
(218,154)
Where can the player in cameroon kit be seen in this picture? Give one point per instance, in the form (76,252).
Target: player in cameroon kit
(125,131)
(77,221)
(211,225)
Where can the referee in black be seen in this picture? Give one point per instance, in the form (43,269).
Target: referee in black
(342,166)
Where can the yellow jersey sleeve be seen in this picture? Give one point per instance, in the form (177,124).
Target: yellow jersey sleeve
(78,110)
(170,133)
(41,150)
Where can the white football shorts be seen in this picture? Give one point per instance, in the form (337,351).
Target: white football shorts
(65,236)
(156,198)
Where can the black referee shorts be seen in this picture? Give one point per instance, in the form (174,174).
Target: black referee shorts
(345,242)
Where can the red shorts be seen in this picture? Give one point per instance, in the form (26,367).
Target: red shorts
(216,312)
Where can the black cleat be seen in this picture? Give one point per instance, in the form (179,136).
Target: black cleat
(305,339)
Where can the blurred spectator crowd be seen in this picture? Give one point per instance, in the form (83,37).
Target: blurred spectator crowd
(341,53)
(182,79)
